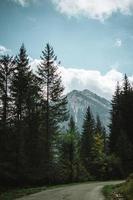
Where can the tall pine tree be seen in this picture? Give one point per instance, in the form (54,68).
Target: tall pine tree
(121,140)
(19,92)
(55,102)
(6,71)
(115,120)
(87,139)
(69,154)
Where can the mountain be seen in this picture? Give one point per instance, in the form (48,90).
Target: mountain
(78,101)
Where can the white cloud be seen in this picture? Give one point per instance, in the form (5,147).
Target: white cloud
(96,9)
(80,79)
(4,50)
(118,43)
(103,85)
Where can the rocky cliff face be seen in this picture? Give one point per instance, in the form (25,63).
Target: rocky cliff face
(78,101)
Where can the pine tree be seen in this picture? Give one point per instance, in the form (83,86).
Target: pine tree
(87,139)
(99,128)
(34,149)
(126,85)
(54,101)
(122,126)
(127,108)
(72,131)
(101,131)
(19,92)
(115,120)
(69,153)
(6,70)
(19,85)
(98,157)
(126,137)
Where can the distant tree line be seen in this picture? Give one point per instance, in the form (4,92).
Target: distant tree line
(33,147)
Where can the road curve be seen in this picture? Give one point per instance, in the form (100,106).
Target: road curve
(84,191)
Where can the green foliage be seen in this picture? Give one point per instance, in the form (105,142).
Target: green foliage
(93,153)
(98,157)
(87,139)
(54,106)
(107,191)
(12,194)
(99,127)
(69,154)
(6,70)
(121,138)
(21,84)
(125,190)
(113,167)
(27,141)
(6,144)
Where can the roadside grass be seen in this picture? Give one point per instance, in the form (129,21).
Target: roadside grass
(109,190)
(124,189)
(11,194)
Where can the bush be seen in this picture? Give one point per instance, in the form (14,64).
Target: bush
(127,188)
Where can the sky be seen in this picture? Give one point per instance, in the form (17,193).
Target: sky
(93,39)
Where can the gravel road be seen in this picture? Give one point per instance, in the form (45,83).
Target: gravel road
(84,191)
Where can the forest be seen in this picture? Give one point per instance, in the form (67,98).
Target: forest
(34,150)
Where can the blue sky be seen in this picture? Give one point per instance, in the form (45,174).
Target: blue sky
(85,34)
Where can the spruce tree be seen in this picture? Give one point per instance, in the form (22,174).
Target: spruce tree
(101,131)
(99,127)
(87,139)
(69,153)
(19,92)
(115,120)
(72,131)
(19,85)
(6,70)
(126,118)
(98,157)
(127,108)
(34,149)
(121,140)
(54,102)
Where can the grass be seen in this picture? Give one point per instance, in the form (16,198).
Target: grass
(125,189)
(109,190)
(12,194)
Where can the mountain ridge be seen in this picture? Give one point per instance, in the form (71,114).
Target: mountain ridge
(78,101)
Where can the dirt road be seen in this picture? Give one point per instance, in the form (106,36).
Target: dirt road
(85,191)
